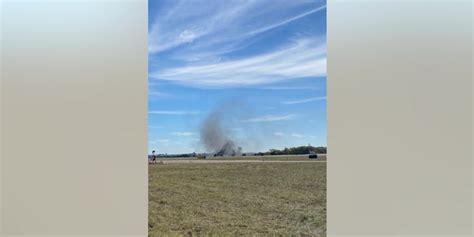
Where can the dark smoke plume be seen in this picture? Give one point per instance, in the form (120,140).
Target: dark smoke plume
(216,130)
(224,131)
(216,137)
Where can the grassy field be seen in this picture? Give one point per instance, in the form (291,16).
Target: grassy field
(259,199)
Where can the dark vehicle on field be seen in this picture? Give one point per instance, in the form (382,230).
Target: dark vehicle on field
(313,156)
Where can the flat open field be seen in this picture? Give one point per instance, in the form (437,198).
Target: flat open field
(228,199)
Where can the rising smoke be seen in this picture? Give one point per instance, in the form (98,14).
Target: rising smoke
(215,135)
(224,131)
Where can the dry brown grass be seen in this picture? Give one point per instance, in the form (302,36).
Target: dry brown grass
(247,199)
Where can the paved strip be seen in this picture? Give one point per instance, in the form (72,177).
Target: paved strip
(237,161)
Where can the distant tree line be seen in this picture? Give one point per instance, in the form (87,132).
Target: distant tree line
(300,150)
(174,155)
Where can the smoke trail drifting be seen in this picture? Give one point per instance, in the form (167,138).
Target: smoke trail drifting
(224,132)
(215,136)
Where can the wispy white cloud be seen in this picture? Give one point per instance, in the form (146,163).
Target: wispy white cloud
(307,100)
(270,118)
(174,112)
(199,26)
(155,127)
(155,91)
(305,58)
(158,95)
(290,88)
(183,134)
(201,37)
(297,135)
(219,44)
(279,134)
(183,22)
(286,21)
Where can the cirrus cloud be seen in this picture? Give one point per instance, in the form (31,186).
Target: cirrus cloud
(270,118)
(302,59)
(301,101)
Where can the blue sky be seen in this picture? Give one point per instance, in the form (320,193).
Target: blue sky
(263,61)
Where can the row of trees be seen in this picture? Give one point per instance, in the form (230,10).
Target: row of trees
(300,150)
(297,150)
